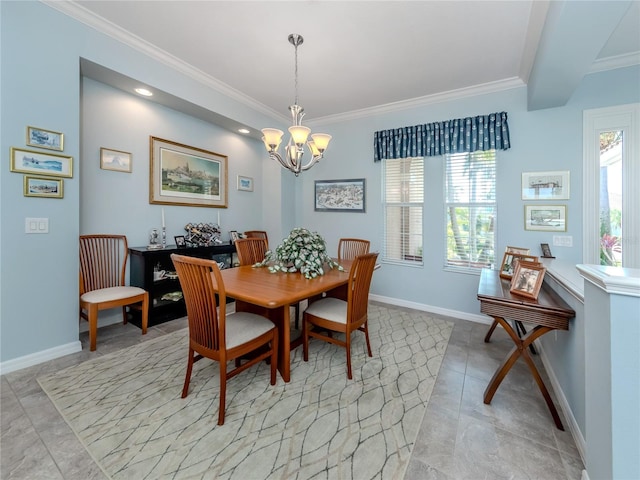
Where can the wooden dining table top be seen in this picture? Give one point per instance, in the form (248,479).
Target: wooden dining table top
(257,285)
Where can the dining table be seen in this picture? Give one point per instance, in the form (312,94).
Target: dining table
(258,290)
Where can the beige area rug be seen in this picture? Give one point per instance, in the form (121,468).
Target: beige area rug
(126,408)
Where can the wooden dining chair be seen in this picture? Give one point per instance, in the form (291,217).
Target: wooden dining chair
(251,250)
(350,248)
(103,261)
(331,314)
(257,234)
(215,335)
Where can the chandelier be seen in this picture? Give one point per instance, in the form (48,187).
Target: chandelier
(294,151)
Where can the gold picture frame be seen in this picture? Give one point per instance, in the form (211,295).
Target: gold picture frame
(509,261)
(42,138)
(43,187)
(41,163)
(184,175)
(115,160)
(527,279)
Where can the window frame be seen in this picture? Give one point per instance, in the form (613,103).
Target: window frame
(471,266)
(408,258)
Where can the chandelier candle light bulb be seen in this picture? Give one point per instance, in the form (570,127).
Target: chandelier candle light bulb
(294,151)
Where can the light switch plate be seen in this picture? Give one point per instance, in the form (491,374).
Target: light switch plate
(36,225)
(562,241)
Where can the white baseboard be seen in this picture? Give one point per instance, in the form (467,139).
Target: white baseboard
(578,438)
(39,357)
(478,318)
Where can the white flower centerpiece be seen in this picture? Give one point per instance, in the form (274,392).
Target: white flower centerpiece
(301,251)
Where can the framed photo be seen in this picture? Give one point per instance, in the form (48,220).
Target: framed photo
(527,279)
(546,250)
(184,175)
(545,185)
(180,241)
(245,183)
(39,163)
(546,218)
(519,250)
(340,195)
(509,261)
(115,160)
(39,137)
(43,187)
(233,236)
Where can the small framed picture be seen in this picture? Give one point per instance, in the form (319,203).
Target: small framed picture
(180,241)
(43,187)
(115,160)
(545,218)
(546,251)
(39,137)
(518,250)
(527,279)
(509,263)
(233,236)
(545,185)
(40,163)
(245,183)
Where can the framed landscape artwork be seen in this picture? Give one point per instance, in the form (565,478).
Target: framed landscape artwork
(340,195)
(184,175)
(545,218)
(43,187)
(545,185)
(115,160)
(40,163)
(41,138)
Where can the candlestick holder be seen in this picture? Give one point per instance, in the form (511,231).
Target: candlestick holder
(164,237)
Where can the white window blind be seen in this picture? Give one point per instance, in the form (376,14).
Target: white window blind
(470,209)
(403,188)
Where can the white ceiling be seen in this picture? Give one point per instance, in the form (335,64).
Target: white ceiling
(358,54)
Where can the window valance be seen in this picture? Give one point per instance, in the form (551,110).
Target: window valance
(484,132)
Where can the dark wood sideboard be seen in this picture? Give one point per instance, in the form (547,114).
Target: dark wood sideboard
(142,264)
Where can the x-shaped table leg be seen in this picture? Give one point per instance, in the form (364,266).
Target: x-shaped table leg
(520,349)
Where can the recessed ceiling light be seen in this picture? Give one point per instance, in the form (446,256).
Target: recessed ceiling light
(243,130)
(144,91)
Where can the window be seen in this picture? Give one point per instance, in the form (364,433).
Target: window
(403,188)
(611,194)
(470,209)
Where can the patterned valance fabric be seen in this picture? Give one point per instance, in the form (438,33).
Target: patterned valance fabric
(484,132)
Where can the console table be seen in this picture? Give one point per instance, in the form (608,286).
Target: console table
(143,262)
(549,312)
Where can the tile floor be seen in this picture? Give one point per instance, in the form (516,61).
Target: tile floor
(460,437)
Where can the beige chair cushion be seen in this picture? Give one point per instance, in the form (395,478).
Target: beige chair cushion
(330,308)
(243,327)
(110,294)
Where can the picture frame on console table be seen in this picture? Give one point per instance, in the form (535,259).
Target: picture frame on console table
(509,261)
(184,175)
(527,279)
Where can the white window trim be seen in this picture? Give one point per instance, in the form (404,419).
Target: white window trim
(595,121)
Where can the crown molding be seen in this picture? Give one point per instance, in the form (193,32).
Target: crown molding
(617,61)
(116,32)
(461,93)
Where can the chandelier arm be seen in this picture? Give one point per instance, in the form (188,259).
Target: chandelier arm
(315,159)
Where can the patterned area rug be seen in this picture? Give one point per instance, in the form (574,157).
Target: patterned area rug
(126,408)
